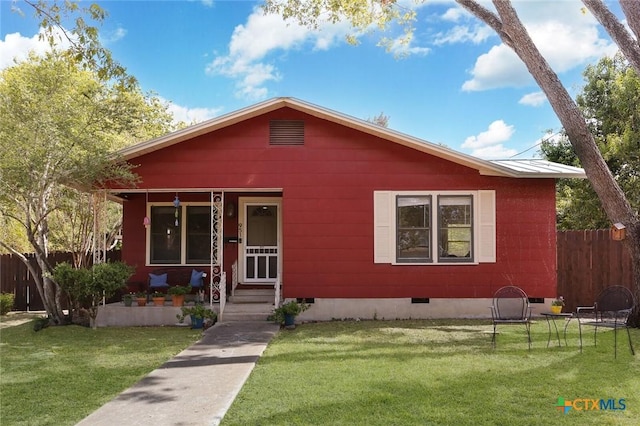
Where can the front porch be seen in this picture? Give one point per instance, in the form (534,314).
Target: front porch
(119,315)
(243,305)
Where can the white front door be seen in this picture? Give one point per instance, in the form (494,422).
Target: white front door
(260,244)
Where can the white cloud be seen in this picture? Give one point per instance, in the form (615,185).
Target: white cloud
(114,36)
(498,68)
(454,14)
(498,132)
(190,115)
(260,36)
(475,34)
(565,36)
(534,99)
(489,144)
(16,47)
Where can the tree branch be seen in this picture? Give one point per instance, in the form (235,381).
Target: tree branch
(488,17)
(616,30)
(631,9)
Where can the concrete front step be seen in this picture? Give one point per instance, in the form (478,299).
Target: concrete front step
(253,296)
(247,312)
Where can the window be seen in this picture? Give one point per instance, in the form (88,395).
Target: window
(413,236)
(165,235)
(455,228)
(198,234)
(177,241)
(429,227)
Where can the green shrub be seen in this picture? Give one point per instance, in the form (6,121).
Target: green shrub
(87,287)
(6,303)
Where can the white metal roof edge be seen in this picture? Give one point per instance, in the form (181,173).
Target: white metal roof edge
(507,168)
(542,168)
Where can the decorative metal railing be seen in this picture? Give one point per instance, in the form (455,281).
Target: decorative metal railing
(217,282)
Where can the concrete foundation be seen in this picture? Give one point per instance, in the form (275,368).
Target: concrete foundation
(390,309)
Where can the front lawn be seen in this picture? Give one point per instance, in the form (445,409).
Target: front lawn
(59,375)
(437,372)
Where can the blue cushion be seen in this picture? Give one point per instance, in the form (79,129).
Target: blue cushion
(158,280)
(196,278)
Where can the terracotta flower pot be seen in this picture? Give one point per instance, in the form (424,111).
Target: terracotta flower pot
(177,300)
(158,301)
(142,301)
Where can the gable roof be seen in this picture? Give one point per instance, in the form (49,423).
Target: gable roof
(507,168)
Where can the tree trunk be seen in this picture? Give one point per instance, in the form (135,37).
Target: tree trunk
(633,245)
(51,294)
(513,33)
(631,51)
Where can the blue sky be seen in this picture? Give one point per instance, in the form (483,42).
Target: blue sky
(456,83)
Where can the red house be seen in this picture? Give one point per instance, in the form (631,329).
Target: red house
(358,219)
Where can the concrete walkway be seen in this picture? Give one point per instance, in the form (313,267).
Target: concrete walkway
(197,386)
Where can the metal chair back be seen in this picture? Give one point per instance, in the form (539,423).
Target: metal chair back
(611,310)
(511,304)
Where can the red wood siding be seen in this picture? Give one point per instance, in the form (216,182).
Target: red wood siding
(327,192)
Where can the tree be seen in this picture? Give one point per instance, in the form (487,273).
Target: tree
(71,225)
(507,24)
(609,102)
(380,119)
(59,125)
(85,47)
(578,206)
(87,287)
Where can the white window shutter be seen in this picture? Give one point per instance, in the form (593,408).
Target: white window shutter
(382,226)
(486,226)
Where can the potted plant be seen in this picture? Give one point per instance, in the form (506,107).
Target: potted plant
(158,298)
(288,311)
(127,299)
(199,315)
(178,293)
(557,304)
(141,298)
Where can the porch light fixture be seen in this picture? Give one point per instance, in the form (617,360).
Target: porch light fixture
(230,210)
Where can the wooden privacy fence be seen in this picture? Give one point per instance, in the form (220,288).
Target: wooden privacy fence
(15,278)
(588,262)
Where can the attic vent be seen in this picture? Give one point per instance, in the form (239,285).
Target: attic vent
(286,132)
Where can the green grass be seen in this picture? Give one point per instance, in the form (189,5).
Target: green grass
(59,375)
(435,372)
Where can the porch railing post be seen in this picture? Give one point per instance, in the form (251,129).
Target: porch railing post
(234,277)
(278,286)
(223,294)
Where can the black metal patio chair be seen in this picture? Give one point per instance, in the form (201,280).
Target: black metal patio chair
(610,310)
(511,306)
